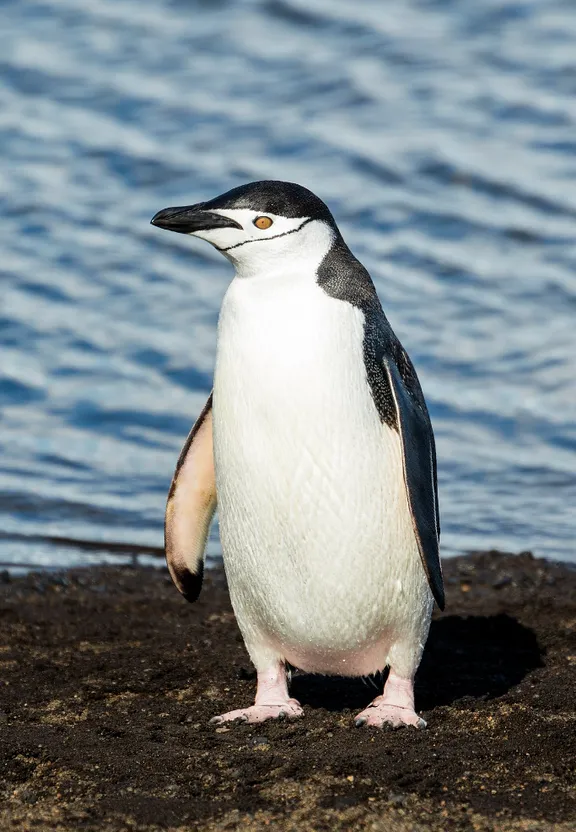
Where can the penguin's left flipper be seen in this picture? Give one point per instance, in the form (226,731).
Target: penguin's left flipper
(419,458)
(190,507)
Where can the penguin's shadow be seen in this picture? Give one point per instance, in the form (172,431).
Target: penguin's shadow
(475,656)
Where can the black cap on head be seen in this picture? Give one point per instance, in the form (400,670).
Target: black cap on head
(286,199)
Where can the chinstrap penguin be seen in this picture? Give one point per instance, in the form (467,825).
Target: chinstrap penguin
(317,446)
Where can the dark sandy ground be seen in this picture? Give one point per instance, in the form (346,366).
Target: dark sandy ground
(108,679)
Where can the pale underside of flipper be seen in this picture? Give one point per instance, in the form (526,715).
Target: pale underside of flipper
(190,507)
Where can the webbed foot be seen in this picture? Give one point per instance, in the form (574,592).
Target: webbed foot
(291,709)
(395,707)
(380,713)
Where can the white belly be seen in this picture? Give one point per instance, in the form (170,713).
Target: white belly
(318,543)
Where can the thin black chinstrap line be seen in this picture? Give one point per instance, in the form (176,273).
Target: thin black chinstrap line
(265,239)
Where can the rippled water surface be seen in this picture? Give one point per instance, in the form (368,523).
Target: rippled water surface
(442,135)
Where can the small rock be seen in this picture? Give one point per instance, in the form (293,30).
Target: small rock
(28,796)
(260,741)
(397,799)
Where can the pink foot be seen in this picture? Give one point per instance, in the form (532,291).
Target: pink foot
(379,714)
(272,700)
(290,709)
(395,707)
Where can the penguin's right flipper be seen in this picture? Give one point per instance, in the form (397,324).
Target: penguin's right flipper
(419,461)
(190,507)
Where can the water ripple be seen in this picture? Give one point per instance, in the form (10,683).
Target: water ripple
(440,133)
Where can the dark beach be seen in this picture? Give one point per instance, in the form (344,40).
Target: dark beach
(109,680)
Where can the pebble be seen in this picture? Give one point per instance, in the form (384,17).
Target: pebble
(28,796)
(397,799)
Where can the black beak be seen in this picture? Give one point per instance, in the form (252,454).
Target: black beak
(191,218)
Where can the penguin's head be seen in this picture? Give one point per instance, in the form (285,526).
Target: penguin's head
(256,224)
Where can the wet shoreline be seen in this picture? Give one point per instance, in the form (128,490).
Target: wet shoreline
(109,679)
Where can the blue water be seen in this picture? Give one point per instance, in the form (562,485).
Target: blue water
(443,136)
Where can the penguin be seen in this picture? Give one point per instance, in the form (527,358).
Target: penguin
(317,446)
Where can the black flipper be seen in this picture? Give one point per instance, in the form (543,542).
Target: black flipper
(419,456)
(190,507)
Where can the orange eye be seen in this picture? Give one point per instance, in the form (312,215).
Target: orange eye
(263,223)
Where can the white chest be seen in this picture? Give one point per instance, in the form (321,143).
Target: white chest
(295,427)
(286,344)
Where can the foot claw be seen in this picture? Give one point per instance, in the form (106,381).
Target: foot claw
(360,721)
